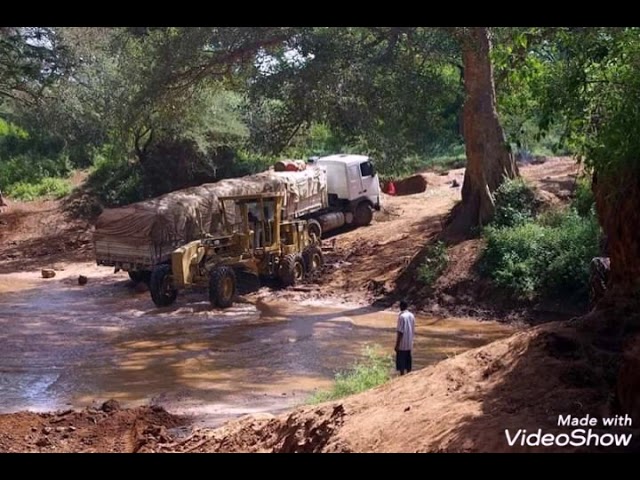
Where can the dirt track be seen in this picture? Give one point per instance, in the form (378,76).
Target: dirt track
(69,346)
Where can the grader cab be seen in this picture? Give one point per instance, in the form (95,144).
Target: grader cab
(251,237)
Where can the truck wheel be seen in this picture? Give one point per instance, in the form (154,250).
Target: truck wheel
(162,291)
(363,215)
(292,270)
(222,287)
(313,259)
(315,229)
(143,276)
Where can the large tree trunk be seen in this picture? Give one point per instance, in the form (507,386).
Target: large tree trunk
(489,160)
(618,205)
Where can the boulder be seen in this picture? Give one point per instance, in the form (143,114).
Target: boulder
(411,185)
(110,406)
(48,273)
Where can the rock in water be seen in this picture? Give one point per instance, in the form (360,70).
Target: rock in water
(82,280)
(48,273)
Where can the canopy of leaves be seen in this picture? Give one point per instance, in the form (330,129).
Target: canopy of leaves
(594,83)
(378,88)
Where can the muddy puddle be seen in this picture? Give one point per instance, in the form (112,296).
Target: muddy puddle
(64,346)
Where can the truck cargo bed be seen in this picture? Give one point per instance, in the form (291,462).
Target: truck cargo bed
(113,252)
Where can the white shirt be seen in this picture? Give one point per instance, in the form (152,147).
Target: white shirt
(406,326)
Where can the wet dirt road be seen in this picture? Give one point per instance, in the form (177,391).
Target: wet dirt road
(66,346)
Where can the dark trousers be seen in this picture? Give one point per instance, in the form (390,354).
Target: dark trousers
(404,361)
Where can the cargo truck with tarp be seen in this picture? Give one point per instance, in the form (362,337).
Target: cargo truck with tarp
(329,193)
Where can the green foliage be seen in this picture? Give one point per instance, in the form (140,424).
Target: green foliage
(434,264)
(247,162)
(439,159)
(29,159)
(116,182)
(46,187)
(446,159)
(583,200)
(523,65)
(379,91)
(31,169)
(548,257)
(372,371)
(9,130)
(30,61)
(317,140)
(593,85)
(514,204)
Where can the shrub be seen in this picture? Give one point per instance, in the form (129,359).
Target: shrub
(543,258)
(515,204)
(583,200)
(435,263)
(31,169)
(116,183)
(47,187)
(28,159)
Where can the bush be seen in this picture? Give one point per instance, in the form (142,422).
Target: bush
(28,159)
(47,187)
(116,183)
(549,257)
(434,264)
(515,204)
(373,371)
(31,169)
(171,166)
(583,200)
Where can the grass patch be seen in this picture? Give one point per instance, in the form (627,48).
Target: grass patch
(453,159)
(46,187)
(370,372)
(434,264)
(440,161)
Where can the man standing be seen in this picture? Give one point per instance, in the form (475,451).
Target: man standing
(404,340)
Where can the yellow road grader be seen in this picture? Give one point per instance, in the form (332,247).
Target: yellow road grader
(253,239)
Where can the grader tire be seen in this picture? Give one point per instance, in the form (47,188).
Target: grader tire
(313,259)
(222,287)
(292,270)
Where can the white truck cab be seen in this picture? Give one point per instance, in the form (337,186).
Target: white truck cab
(351,179)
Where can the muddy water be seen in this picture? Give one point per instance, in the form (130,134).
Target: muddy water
(62,345)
